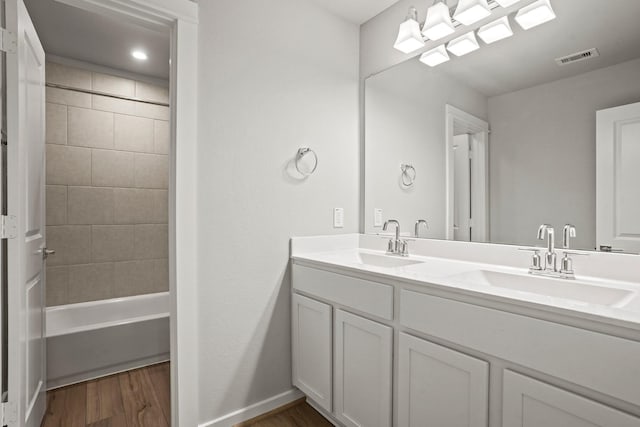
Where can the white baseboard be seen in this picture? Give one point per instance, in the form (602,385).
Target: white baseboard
(254,410)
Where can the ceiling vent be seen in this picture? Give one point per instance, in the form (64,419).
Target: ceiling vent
(577,57)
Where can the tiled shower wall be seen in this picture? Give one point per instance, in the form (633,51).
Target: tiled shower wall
(107,179)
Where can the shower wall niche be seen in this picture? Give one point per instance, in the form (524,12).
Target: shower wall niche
(107,180)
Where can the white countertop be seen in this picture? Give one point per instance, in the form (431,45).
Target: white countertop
(344,253)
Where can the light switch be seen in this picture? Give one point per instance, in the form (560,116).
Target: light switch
(377,217)
(338,217)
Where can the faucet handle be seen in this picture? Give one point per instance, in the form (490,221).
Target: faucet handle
(536,260)
(566,264)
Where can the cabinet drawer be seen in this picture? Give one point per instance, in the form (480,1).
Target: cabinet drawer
(529,402)
(363,295)
(597,361)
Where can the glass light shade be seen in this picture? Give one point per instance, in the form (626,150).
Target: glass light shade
(535,14)
(471,11)
(463,44)
(506,3)
(409,37)
(496,30)
(435,56)
(438,23)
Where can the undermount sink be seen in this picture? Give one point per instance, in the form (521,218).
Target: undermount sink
(385,261)
(547,286)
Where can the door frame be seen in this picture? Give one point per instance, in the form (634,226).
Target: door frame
(181,17)
(480,173)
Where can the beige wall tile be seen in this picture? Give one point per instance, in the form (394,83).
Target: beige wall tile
(56,126)
(114,105)
(160,207)
(90,128)
(72,244)
(161,275)
(151,241)
(150,92)
(113,85)
(56,205)
(152,111)
(90,205)
(134,206)
(67,76)
(112,169)
(161,137)
(112,242)
(134,133)
(68,165)
(68,97)
(57,281)
(151,171)
(90,282)
(134,278)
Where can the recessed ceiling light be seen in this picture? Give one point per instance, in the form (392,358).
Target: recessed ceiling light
(139,54)
(535,14)
(435,56)
(464,44)
(496,30)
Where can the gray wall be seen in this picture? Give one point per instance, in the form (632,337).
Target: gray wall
(106,187)
(405,123)
(543,153)
(274,76)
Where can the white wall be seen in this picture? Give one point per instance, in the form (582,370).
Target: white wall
(274,76)
(543,153)
(405,123)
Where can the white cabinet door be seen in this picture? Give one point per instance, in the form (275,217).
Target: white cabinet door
(362,371)
(531,403)
(311,347)
(440,387)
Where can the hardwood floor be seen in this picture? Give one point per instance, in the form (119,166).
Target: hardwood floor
(296,414)
(138,398)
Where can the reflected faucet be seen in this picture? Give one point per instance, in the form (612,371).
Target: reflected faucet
(568,232)
(550,256)
(396,246)
(417,226)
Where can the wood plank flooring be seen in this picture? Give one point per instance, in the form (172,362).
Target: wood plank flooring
(296,414)
(138,398)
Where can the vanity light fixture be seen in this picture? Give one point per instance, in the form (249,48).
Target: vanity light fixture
(535,14)
(438,23)
(409,37)
(506,3)
(471,11)
(139,55)
(496,30)
(464,44)
(435,56)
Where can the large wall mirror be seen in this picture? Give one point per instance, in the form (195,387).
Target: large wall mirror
(490,145)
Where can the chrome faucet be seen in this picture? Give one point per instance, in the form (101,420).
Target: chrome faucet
(550,257)
(568,232)
(417,226)
(396,246)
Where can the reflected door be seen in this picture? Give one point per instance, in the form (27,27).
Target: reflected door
(618,177)
(462,188)
(26,198)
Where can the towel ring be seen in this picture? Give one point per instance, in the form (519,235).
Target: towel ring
(408,175)
(302,152)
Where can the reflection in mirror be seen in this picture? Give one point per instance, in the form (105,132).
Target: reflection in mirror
(551,123)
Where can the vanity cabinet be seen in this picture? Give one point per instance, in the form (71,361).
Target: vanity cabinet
(529,402)
(311,349)
(363,371)
(441,387)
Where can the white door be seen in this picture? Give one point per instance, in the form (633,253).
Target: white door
(462,188)
(618,175)
(26,180)
(311,349)
(362,371)
(528,403)
(440,387)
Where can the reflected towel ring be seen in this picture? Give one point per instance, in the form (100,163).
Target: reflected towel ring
(408,175)
(303,152)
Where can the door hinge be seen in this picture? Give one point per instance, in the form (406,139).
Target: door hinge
(9,413)
(8,41)
(8,227)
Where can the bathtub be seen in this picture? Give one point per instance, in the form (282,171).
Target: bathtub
(93,339)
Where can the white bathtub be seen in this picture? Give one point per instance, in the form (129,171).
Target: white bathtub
(94,339)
